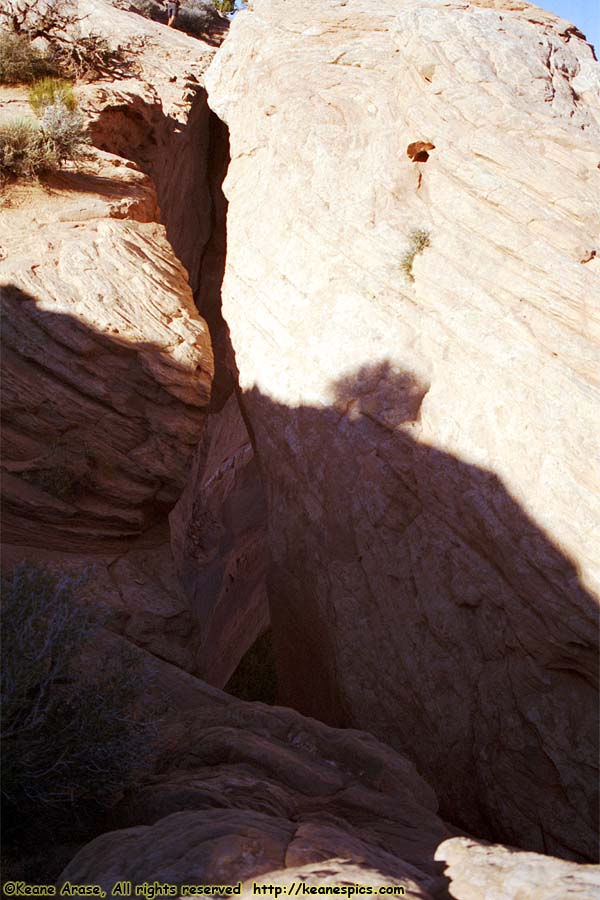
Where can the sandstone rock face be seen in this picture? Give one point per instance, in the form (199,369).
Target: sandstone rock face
(218,538)
(107,365)
(417,354)
(158,117)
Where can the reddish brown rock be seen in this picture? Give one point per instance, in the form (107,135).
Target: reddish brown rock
(218,537)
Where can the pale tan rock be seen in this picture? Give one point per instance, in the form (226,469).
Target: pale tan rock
(107,366)
(477,870)
(157,116)
(427,445)
(98,437)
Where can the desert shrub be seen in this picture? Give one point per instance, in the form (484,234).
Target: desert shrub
(65,129)
(28,149)
(20,62)
(65,736)
(25,151)
(224,6)
(419,240)
(90,56)
(48,91)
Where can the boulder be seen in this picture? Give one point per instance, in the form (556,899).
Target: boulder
(417,360)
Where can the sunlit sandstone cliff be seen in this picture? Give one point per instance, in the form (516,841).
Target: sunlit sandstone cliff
(424,443)
(415,330)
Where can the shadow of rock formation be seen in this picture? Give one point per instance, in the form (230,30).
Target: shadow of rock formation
(412,595)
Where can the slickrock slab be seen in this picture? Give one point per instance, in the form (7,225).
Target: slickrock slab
(157,116)
(418,356)
(479,870)
(245,792)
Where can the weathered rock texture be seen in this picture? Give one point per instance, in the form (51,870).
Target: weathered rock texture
(218,538)
(479,870)
(108,367)
(425,421)
(246,792)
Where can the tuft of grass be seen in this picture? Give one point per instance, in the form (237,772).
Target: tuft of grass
(419,240)
(49,92)
(20,61)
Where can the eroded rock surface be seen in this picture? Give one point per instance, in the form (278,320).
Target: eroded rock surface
(218,538)
(245,792)
(417,351)
(108,367)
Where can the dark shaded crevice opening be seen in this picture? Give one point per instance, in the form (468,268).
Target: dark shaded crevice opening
(207,294)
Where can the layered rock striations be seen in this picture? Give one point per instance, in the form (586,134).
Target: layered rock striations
(108,367)
(410,287)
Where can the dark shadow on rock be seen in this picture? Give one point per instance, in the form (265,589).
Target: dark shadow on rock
(412,595)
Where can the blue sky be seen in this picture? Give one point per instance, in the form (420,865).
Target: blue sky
(583,13)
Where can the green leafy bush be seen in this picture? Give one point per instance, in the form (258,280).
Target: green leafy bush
(49,91)
(20,62)
(419,240)
(65,736)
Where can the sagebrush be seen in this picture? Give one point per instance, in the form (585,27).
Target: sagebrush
(20,61)
(65,737)
(29,149)
(25,151)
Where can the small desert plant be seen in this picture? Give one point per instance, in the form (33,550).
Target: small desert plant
(65,129)
(418,241)
(224,6)
(65,736)
(49,91)
(29,149)
(25,151)
(20,62)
